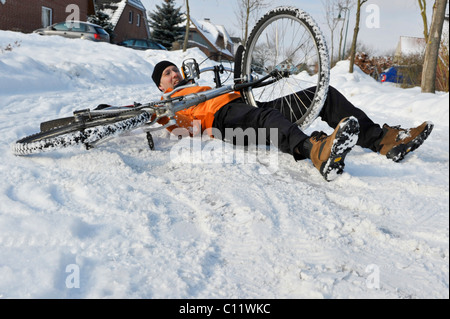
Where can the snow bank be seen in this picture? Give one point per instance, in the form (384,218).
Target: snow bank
(121,221)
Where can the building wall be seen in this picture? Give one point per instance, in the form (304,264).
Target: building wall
(125,30)
(26,16)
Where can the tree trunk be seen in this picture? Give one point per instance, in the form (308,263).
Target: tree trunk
(247,17)
(423,13)
(340,41)
(188,24)
(355,35)
(331,11)
(432,50)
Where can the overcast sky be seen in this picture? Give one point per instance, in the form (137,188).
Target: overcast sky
(382,21)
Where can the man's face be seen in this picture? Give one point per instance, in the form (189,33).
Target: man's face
(170,77)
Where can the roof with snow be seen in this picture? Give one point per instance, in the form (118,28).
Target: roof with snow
(115,14)
(212,32)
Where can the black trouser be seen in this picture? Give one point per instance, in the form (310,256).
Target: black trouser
(234,119)
(336,108)
(270,115)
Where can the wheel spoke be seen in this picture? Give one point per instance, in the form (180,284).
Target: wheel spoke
(287,40)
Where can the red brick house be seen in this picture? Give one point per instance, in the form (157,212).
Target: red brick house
(128,18)
(26,16)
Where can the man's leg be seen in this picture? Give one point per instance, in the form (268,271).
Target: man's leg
(326,152)
(242,116)
(336,108)
(392,141)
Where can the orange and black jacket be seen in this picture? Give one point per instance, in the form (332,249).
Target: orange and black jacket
(201,113)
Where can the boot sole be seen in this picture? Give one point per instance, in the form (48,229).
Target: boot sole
(399,152)
(346,137)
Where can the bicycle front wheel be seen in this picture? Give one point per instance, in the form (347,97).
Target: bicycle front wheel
(77,133)
(287,40)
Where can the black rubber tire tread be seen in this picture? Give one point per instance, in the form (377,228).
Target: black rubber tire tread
(80,133)
(324,74)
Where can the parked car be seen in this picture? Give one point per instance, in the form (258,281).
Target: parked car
(142,44)
(76,30)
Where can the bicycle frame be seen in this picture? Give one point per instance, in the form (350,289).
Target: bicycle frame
(169,105)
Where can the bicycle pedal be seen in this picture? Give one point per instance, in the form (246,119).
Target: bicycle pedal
(151,143)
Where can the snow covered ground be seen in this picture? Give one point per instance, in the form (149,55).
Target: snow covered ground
(122,221)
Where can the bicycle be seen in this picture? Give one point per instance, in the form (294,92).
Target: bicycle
(285,53)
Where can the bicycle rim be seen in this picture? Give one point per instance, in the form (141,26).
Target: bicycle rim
(76,133)
(288,40)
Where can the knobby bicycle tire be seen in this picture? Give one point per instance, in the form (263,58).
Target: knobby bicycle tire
(288,39)
(91,131)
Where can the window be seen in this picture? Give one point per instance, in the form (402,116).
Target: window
(78,27)
(100,30)
(153,46)
(138,23)
(46,17)
(129,42)
(141,43)
(62,26)
(130,17)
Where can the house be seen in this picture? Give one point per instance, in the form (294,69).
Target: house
(409,46)
(211,39)
(128,18)
(26,16)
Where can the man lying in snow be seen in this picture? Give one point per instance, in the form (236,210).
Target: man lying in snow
(327,153)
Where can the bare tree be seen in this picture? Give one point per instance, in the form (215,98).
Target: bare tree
(423,13)
(432,50)
(344,9)
(331,12)
(247,8)
(355,34)
(188,24)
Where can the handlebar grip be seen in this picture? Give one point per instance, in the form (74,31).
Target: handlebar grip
(240,86)
(238,62)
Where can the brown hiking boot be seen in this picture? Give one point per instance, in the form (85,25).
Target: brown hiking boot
(397,142)
(328,152)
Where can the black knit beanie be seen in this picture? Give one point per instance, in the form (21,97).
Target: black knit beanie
(159,69)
